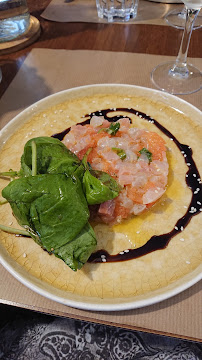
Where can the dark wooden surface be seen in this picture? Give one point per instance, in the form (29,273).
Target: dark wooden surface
(136,38)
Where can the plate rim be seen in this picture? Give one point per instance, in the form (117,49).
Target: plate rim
(93,306)
(175,288)
(29,109)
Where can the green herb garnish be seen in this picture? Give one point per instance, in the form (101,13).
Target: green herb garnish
(120,152)
(147,153)
(112,129)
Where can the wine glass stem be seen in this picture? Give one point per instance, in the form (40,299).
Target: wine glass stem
(181,61)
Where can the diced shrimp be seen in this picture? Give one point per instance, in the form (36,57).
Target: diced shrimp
(96,121)
(80,139)
(136,193)
(155,144)
(152,195)
(124,124)
(121,211)
(138,209)
(142,173)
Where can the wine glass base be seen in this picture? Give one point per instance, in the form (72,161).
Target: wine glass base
(166,80)
(176,19)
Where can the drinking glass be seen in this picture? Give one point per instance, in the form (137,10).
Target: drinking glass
(178,77)
(117,10)
(176,18)
(14,19)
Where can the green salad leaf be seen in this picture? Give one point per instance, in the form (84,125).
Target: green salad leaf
(52,206)
(52,158)
(98,185)
(50,199)
(76,253)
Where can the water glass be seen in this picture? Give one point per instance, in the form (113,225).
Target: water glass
(117,10)
(14,19)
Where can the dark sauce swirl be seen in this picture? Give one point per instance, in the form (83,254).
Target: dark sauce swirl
(192,177)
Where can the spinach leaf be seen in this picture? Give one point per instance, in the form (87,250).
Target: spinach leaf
(52,208)
(76,253)
(49,200)
(52,158)
(98,185)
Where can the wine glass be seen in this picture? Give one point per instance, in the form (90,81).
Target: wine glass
(176,18)
(178,77)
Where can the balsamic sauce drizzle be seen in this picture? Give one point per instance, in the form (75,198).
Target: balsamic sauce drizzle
(192,177)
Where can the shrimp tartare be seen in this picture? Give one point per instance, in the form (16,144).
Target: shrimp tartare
(136,158)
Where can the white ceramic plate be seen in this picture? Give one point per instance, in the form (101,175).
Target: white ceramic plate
(90,301)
